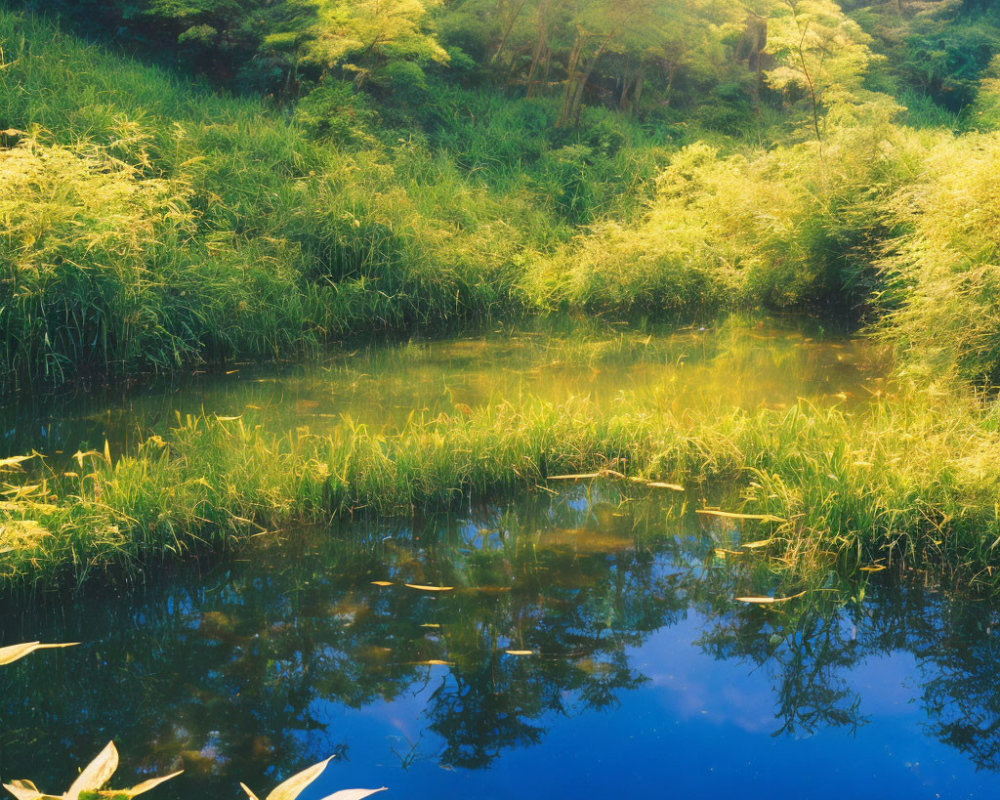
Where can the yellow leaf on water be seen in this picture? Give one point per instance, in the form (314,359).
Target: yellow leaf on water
(429,588)
(710,512)
(766,601)
(431,625)
(578,477)
(758,543)
(381,583)
(15,652)
(434,662)
(520,652)
(874,568)
(674,487)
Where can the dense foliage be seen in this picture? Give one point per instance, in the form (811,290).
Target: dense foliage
(355,166)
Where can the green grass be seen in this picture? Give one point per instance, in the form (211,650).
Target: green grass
(150,224)
(901,483)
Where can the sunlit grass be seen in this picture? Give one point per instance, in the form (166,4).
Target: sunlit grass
(903,483)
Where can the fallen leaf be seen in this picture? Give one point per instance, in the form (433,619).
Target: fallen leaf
(709,512)
(429,588)
(759,543)
(766,601)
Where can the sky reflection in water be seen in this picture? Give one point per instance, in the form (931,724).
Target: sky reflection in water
(648,680)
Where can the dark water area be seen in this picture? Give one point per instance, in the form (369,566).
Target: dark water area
(590,646)
(738,363)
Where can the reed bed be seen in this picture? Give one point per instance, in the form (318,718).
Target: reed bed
(898,484)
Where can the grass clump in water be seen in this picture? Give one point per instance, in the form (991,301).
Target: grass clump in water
(896,484)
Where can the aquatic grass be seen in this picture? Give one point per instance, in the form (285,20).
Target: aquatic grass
(900,484)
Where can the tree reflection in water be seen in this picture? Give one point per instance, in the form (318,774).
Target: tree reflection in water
(232,671)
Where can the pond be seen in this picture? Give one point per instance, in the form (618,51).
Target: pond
(740,362)
(588,647)
(588,643)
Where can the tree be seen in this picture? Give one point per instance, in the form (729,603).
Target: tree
(363,35)
(821,55)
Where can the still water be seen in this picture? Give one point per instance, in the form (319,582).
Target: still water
(589,645)
(590,648)
(737,363)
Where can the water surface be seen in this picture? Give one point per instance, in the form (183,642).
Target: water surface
(643,674)
(590,644)
(738,363)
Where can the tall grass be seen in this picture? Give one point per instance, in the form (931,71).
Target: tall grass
(150,224)
(793,226)
(944,270)
(903,482)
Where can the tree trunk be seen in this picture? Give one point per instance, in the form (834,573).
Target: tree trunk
(541,48)
(576,80)
(506,34)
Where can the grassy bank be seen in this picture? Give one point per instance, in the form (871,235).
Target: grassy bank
(897,483)
(151,223)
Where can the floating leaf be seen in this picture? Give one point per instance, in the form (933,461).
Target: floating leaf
(429,588)
(431,625)
(874,568)
(759,543)
(353,794)
(15,652)
(434,662)
(766,601)
(578,477)
(381,583)
(674,487)
(709,512)
(520,652)
(97,773)
(297,784)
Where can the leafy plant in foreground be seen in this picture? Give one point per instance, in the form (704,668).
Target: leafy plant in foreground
(15,652)
(298,783)
(90,781)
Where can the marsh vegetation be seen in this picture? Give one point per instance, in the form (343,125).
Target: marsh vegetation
(654,310)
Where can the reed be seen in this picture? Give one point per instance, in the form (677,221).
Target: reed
(898,484)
